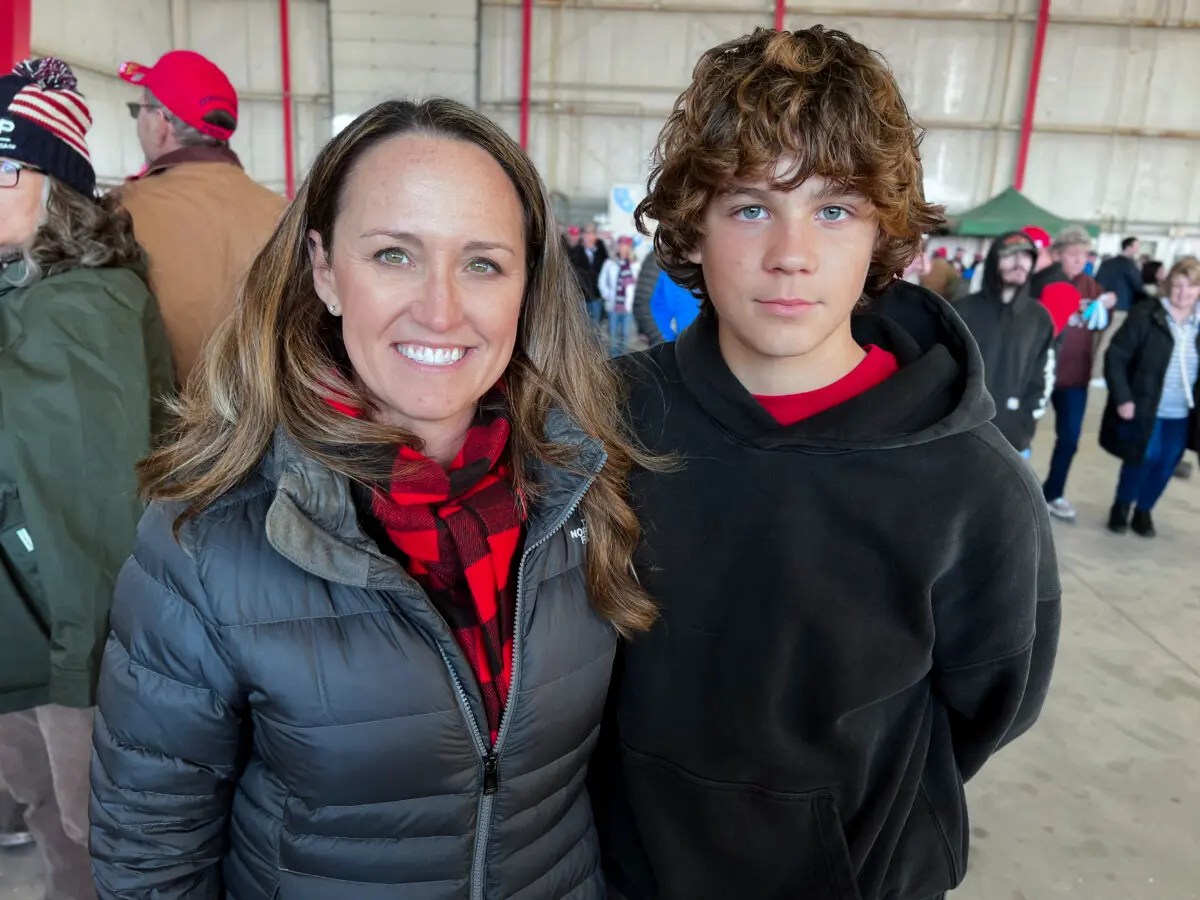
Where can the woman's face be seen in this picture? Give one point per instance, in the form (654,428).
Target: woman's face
(427,271)
(1184,294)
(21,204)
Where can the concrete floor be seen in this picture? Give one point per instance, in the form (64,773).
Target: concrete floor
(1101,801)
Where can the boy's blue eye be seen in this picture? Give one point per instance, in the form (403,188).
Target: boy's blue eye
(751,213)
(838,213)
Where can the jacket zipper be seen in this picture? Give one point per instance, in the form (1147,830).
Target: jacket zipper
(490,759)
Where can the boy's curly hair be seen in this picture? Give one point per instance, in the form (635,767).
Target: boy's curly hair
(818,95)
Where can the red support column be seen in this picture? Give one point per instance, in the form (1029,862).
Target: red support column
(1031,92)
(289,137)
(526,65)
(780,12)
(15,19)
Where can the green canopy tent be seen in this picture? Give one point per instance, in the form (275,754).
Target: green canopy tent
(1008,211)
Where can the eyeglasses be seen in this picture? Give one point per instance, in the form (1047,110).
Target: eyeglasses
(10,172)
(135,108)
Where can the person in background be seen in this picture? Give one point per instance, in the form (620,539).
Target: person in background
(969,272)
(1122,275)
(1151,419)
(83,362)
(1049,284)
(661,308)
(943,278)
(859,594)
(363,644)
(199,217)
(1092,263)
(1015,336)
(1154,273)
(960,260)
(571,237)
(1073,369)
(617,281)
(588,259)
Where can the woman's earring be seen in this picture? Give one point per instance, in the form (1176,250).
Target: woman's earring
(333,309)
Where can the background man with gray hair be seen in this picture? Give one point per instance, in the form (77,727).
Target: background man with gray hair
(199,217)
(1075,355)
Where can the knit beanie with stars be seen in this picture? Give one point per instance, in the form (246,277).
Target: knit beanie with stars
(44,122)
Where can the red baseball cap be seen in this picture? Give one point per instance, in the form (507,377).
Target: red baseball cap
(190,86)
(1039,236)
(573,231)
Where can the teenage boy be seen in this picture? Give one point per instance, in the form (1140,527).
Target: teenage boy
(1015,334)
(860,601)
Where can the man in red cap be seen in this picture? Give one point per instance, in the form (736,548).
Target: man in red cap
(199,217)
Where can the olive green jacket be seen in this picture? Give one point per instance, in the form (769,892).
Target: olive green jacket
(84,362)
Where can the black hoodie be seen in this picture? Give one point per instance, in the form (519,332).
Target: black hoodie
(857,610)
(1016,341)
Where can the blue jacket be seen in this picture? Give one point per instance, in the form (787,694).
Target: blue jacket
(674,308)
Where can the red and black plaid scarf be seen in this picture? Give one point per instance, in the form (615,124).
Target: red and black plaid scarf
(460,530)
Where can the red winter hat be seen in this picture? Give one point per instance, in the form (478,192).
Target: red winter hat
(1039,236)
(573,231)
(190,86)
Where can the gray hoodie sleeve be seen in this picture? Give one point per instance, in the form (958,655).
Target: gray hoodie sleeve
(169,731)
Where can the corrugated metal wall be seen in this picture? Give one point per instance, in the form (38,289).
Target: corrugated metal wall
(1117,130)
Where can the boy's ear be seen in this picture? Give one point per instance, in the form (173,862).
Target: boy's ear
(695,256)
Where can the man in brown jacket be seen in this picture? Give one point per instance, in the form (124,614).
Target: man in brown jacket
(199,217)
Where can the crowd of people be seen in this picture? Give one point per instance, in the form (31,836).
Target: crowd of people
(437,593)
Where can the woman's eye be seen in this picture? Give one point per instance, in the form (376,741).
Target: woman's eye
(393,256)
(482,267)
(751,213)
(834,213)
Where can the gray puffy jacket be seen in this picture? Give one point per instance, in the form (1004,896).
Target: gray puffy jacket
(284,715)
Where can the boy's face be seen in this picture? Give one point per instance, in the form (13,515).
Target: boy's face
(784,269)
(1015,268)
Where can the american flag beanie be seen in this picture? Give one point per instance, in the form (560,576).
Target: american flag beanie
(44,122)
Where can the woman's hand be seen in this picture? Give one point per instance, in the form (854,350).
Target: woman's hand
(1126,411)
(1109,299)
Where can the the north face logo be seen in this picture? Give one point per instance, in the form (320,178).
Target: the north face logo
(579,534)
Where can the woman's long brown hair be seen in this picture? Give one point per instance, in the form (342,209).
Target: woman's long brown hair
(279,356)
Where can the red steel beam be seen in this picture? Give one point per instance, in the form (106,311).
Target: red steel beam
(1035,72)
(526,66)
(15,19)
(289,136)
(780,12)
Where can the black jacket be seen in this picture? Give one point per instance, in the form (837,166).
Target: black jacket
(857,611)
(588,272)
(1121,275)
(1135,369)
(283,713)
(1016,341)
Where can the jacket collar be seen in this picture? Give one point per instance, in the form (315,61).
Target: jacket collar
(185,155)
(313,518)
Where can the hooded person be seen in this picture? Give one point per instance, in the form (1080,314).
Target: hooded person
(1015,335)
(83,359)
(843,639)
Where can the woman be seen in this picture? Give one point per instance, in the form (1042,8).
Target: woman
(1151,369)
(618,278)
(363,644)
(83,357)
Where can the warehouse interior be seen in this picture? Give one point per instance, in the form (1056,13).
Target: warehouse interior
(1087,107)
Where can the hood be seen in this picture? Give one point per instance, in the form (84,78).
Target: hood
(938,392)
(992,285)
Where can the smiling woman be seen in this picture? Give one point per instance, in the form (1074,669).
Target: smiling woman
(369,623)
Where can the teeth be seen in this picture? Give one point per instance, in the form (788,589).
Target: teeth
(431,356)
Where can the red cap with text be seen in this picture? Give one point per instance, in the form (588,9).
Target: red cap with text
(190,86)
